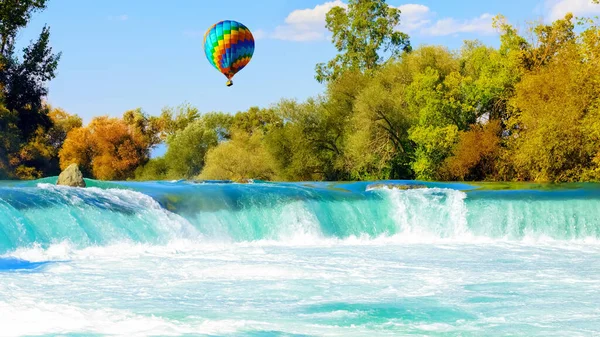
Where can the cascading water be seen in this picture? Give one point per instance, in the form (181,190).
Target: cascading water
(48,214)
(289,259)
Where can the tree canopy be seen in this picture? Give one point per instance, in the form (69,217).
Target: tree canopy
(528,110)
(363,33)
(24,118)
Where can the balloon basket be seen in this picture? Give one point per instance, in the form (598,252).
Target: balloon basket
(229,83)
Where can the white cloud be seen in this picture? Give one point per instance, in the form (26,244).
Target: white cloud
(309,24)
(305,24)
(259,34)
(451,26)
(313,16)
(558,8)
(414,16)
(122,17)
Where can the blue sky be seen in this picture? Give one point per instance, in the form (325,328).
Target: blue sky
(119,55)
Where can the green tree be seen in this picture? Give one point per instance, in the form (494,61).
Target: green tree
(9,140)
(141,124)
(308,145)
(255,119)
(220,122)
(362,34)
(40,154)
(333,131)
(24,120)
(187,149)
(174,119)
(25,83)
(451,92)
(494,78)
(378,146)
(188,137)
(436,97)
(14,15)
(155,169)
(434,145)
(243,157)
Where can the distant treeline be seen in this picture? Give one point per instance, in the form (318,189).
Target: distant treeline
(527,111)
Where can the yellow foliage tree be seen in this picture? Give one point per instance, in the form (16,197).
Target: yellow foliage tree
(243,157)
(555,129)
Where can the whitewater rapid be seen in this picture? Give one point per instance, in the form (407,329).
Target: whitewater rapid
(310,259)
(45,214)
(374,289)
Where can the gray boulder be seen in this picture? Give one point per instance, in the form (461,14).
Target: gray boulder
(71,176)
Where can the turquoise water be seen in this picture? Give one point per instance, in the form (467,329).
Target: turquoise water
(298,259)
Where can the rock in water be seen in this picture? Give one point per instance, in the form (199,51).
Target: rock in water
(393,186)
(71,176)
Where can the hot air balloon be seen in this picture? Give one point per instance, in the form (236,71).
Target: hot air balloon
(229,46)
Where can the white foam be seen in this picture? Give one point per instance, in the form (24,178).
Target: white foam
(171,224)
(334,314)
(432,212)
(65,251)
(224,288)
(32,318)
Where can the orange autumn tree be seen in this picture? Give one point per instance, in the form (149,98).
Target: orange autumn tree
(108,148)
(475,154)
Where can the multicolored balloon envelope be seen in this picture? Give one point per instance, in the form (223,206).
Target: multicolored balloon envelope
(229,46)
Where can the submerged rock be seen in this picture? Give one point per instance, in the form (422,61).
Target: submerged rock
(245,181)
(395,186)
(71,176)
